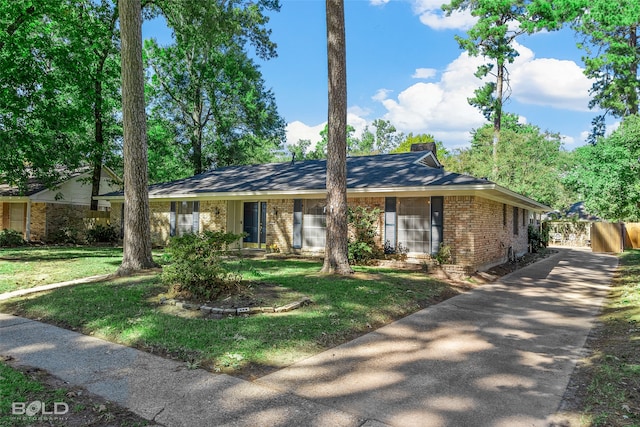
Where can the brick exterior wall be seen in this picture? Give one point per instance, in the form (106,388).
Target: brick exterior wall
(475,230)
(474,227)
(280,224)
(115,219)
(38,221)
(59,216)
(213,215)
(159,217)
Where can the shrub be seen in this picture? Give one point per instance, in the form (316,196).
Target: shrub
(397,253)
(362,245)
(444,254)
(198,264)
(538,238)
(102,234)
(10,238)
(64,235)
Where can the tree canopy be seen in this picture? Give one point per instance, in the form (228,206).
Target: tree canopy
(530,161)
(606,176)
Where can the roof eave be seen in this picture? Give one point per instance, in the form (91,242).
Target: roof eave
(489,191)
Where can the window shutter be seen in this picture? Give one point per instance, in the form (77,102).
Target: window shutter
(297,224)
(195,227)
(437,223)
(172,220)
(390,223)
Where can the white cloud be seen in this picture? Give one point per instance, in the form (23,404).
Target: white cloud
(424,73)
(442,109)
(378,2)
(381,94)
(439,108)
(297,130)
(431,15)
(358,123)
(551,82)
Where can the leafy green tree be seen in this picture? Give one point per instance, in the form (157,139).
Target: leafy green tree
(607,175)
(405,146)
(299,150)
(383,139)
(42,121)
(530,161)
(610,31)
(492,38)
(96,38)
(168,161)
(209,87)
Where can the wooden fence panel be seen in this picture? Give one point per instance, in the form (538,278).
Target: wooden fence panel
(632,236)
(606,237)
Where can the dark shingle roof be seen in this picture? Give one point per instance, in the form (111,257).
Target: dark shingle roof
(381,171)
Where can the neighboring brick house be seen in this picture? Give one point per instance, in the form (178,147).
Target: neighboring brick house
(38,212)
(422,206)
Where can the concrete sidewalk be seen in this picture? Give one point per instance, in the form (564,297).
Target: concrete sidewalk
(500,355)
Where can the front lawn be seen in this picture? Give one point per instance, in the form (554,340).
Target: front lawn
(125,310)
(27,267)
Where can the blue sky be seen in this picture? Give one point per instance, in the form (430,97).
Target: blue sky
(404,65)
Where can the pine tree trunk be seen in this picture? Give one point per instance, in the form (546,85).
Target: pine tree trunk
(633,97)
(497,119)
(336,259)
(99,140)
(137,234)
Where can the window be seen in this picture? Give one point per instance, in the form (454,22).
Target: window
(504,215)
(515,221)
(314,224)
(414,224)
(184,218)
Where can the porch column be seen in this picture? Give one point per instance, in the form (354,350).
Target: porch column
(27,229)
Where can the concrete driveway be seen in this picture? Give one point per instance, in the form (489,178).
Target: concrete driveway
(500,355)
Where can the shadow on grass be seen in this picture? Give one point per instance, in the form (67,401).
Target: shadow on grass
(343,308)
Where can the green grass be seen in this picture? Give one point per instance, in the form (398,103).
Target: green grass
(613,393)
(26,386)
(124,310)
(33,266)
(15,386)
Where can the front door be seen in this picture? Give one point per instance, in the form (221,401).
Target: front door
(16,217)
(255,224)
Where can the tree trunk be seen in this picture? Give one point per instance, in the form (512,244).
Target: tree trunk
(99,138)
(633,42)
(497,119)
(336,259)
(137,234)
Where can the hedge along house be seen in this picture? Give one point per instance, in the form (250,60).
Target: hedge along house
(39,212)
(282,204)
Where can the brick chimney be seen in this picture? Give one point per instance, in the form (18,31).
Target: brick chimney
(425,146)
